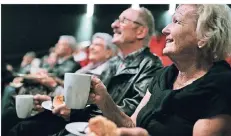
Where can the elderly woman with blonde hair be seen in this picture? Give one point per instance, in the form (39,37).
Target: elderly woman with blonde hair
(192,96)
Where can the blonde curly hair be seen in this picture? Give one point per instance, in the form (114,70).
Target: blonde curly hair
(214,30)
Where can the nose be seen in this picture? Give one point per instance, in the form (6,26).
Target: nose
(115,24)
(166,30)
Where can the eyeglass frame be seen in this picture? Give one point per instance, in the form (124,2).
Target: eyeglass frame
(124,18)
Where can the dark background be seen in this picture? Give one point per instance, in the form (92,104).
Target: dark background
(38,27)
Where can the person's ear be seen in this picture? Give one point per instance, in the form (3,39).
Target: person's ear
(201,43)
(141,32)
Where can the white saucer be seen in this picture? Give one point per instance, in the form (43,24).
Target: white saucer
(75,127)
(47,105)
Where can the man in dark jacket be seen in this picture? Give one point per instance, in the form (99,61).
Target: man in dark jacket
(126,79)
(64,49)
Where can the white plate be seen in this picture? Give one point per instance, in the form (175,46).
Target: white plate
(75,127)
(47,105)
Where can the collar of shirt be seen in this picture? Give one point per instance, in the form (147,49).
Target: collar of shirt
(124,61)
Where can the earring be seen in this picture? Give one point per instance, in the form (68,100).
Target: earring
(201,44)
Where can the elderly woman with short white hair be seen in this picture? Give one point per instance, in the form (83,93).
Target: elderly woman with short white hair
(192,96)
(100,51)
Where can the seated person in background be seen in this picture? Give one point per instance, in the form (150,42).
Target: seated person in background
(25,68)
(35,65)
(64,49)
(100,51)
(127,78)
(50,61)
(192,96)
(25,64)
(10,72)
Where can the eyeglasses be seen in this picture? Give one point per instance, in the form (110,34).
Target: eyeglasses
(126,21)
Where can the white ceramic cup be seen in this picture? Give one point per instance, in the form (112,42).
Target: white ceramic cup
(76,90)
(24,105)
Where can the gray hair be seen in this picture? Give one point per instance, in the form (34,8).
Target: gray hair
(147,20)
(30,54)
(108,41)
(70,40)
(214,29)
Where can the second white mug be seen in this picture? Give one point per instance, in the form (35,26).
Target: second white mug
(24,105)
(76,90)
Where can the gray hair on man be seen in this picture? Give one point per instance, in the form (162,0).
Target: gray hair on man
(147,20)
(214,30)
(70,40)
(31,54)
(108,41)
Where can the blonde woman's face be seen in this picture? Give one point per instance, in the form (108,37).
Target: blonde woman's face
(181,32)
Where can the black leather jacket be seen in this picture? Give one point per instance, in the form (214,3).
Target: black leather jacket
(128,87)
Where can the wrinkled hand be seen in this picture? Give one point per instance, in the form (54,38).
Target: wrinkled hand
(62,111)
(98,90)
(132,132)
(38,99)
(38,76)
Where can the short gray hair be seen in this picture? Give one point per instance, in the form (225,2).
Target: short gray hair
(214,28)
(70,40)
(108,41)
(147,20)
(30,54)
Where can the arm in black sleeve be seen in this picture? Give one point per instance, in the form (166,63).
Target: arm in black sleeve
(140,86)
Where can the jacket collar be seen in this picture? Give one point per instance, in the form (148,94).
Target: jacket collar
(132,61)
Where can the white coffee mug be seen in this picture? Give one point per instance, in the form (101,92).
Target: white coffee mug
(76,90)
(24,105)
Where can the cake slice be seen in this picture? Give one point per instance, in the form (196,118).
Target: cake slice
(58,100)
